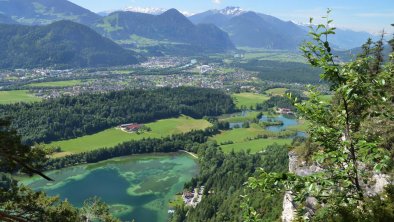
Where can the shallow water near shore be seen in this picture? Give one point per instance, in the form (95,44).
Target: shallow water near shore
(135,187)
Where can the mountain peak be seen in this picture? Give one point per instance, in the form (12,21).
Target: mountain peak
(148,10)
(232,11)
(172,11)
(174,14)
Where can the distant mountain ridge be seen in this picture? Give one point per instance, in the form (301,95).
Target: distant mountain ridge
(6,20)
(169,31)
(170,26)
(345,39)
(348,55)
(251,29)
(146,10)
(43,12)
(62,44)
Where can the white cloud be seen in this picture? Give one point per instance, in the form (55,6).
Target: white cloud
(217,1)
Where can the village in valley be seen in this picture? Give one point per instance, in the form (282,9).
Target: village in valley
(154,73)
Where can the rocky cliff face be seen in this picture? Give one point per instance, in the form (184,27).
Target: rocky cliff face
(301,169)
(374,187)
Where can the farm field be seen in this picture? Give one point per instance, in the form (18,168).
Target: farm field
(254,145)
(276,91)
(248,100)
(273,55)
(249,116)
(324,98)
(239,135)
(56,83)
(112,137)
(302,126)
(16,96)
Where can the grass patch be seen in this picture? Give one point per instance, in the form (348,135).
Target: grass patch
(239,135)
(112,137)
(56,83)
(302,126)
(16,96)
(324,98)
(176,201)
(245,138)
(248,100)
(276,91)
(273,55)
(225,70)
(254,145)
(250,115)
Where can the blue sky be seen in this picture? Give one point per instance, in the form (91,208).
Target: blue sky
(361,15)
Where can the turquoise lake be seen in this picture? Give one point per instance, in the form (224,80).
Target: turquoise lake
(285,120)
(136,187)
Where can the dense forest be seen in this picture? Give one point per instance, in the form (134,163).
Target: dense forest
(70,117)
(224,175)
(187,141)
(61,45)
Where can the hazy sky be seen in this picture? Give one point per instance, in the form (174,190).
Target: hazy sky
(366,15)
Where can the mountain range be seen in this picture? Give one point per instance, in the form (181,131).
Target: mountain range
(170,27)
(161,32)
(62,44)
(251,29)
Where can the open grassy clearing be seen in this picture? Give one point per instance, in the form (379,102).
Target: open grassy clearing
(302,126)
(324,98)
(56,83)
(254,145)
(248,100)
(276,91)
(274,55)
(240,135)
(225,70)
(250,115)
(176,201)
(16,96)
(112,137)
(122,72)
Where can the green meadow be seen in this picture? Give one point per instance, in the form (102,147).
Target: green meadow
(272,55)
(276,91)
(16,96)
(250,115)
(254,145)
(248,99)
(56,83)
(113,136)
(324,98)
(244,138)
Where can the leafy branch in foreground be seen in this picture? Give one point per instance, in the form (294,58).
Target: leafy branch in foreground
(347,141)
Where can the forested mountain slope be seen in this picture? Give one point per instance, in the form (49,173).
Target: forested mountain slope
(63,44)
(43,12)
(70,117)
